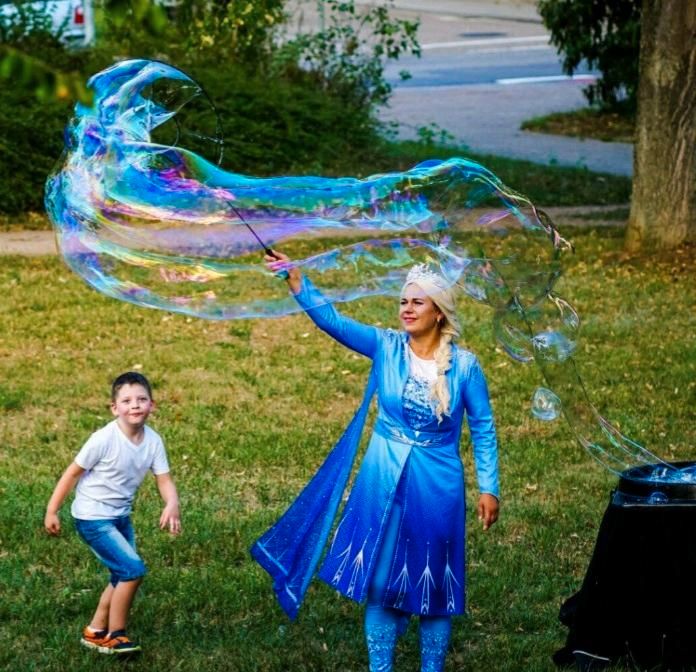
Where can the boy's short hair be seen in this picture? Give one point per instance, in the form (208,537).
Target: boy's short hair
(130,378)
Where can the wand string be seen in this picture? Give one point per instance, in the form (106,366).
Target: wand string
(263,245)
(267,250)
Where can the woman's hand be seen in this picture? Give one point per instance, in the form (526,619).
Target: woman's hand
(281,262)
(487,510)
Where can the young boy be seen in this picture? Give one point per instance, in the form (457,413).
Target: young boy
(108,471)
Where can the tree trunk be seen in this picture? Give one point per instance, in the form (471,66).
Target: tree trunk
(663,204)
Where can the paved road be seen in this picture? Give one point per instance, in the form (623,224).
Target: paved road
(487,67)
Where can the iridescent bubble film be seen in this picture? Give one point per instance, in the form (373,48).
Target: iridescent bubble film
(144,218)
(144,213)
(545,405)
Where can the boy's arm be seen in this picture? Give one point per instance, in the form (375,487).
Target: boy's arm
(170,517)
(63,488)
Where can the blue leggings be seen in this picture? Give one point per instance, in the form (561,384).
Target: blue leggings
(384,625)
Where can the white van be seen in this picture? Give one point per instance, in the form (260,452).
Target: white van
(73,20)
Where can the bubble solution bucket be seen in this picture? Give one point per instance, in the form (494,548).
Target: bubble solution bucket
(635,606)
(672,484)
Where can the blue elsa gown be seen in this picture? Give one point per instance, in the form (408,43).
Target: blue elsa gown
(411,460)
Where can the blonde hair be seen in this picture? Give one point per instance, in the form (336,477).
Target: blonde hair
(450,329)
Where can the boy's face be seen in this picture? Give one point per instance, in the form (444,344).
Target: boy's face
(132,405)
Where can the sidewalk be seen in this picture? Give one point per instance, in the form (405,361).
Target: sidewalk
(39,243)
(523,11)
(486,118)
(485,115)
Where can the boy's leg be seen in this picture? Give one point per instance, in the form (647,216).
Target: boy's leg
(100,620)
(94,635)
(127,586)
(113,542)
(121,600)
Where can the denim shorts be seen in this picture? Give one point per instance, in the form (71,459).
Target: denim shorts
(113,542)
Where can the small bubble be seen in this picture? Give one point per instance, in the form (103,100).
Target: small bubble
(553,346)
(545,405)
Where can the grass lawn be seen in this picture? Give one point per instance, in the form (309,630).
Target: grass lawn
(586,123)
(249,408)
(544,185)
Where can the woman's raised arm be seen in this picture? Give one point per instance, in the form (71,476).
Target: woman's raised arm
(362,338)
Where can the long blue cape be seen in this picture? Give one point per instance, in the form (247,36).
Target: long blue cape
(290,550)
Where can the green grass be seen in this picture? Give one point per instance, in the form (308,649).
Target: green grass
(614,215)
(28,221)
(586,123)
(248,409)
(544,185)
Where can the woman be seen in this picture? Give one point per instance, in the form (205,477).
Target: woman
(399,543)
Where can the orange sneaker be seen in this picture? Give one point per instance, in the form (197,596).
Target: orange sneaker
(93,639)
(118,643)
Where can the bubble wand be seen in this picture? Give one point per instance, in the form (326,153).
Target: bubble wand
(267,250)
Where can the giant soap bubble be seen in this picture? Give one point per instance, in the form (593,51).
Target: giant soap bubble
(143,217)
(152,222)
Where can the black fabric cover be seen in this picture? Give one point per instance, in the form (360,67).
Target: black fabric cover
(638,599)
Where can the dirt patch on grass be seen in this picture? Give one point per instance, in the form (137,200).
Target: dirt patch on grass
(592,124)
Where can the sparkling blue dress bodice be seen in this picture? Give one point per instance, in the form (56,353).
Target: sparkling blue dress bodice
(417,405)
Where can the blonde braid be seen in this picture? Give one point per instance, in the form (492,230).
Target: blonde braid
(445,302)
(439,391)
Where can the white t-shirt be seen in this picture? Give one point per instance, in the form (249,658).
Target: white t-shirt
(115,468)
(425,369)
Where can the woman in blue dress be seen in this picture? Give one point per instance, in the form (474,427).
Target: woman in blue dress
(399,543)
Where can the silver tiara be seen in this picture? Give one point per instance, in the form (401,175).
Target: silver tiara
(423,272)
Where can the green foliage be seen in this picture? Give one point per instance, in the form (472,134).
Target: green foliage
(607,36)
(289,126)
(25,23)
(144,15)
(130,28)
(31,140)
(33,57)
(347,56)
(36,96)
(46,83)
(25,34)
(228,30)
(276,115)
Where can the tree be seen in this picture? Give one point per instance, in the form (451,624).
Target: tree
(663,204)
(32,58)
(604,34)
